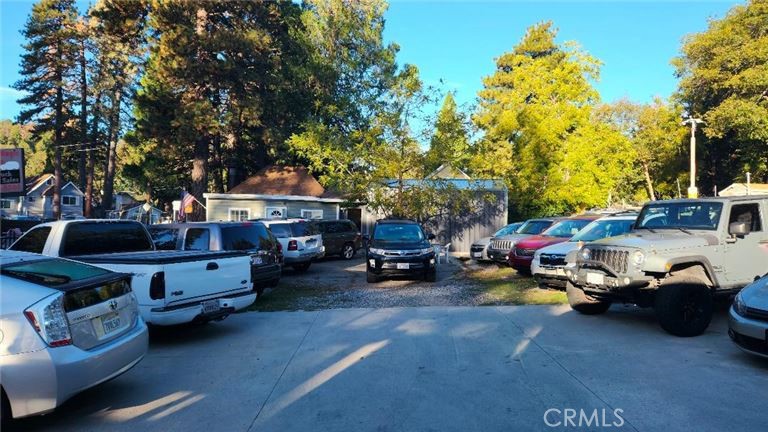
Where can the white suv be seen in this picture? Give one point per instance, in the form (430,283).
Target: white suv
(300,241)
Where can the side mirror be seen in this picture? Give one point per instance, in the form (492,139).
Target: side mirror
(738,229)
(431,237)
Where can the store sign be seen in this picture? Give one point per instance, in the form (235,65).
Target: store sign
(11,172)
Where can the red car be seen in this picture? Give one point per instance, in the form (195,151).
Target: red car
(521,256)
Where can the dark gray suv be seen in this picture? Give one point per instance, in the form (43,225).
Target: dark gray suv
(340,237)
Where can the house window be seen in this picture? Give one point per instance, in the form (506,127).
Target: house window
(6,204)
(239,214)
(69,200)
(311,214)
(275,212)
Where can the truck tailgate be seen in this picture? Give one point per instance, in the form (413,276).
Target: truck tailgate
(194,281)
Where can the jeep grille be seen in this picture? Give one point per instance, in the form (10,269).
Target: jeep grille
(614,259)
(502,244)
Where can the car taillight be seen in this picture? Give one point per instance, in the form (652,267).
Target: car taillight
(293,245)
(157,286)
(50,321)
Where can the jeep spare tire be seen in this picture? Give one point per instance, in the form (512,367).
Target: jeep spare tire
(684,305)
(582,303)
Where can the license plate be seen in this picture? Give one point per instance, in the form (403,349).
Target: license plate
(110,323)
(477,254)
(210,306)
(403,266)
(595,278)
(256,260)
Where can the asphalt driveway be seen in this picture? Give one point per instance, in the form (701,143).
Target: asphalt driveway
(427,369)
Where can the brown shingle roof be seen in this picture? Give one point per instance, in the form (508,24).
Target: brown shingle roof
(281,180)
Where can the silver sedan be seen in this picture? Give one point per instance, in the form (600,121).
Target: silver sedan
(748,318)
(65,326)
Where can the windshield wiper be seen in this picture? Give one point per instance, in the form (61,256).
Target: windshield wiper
(649,229)
(684,230)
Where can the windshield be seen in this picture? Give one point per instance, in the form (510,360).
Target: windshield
(247,237)
(701,215)
(534,227)
(398,233)
(566,228)
(601,229)
(52,272)
(509,229)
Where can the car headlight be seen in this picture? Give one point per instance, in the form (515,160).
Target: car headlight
(376,251)
(739,306)
(638,258)
(426,251)
(585,254)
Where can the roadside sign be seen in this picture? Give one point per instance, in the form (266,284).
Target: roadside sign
(12,172)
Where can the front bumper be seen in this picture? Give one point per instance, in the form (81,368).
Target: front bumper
(190,312)
(387,265)
(751,335)
(265,274)
(497,255)
(479,253)
(520,262)
(39,381)
(550,277)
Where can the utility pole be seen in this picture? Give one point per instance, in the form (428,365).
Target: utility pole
(693,191)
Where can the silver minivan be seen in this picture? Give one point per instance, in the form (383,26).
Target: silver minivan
(65,326)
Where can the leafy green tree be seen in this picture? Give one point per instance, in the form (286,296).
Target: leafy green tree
(450,141)
(539,134)
(48,66)
(36,158)
(724,78)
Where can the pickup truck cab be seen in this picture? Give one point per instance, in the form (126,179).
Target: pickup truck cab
(172,287)
(252,238)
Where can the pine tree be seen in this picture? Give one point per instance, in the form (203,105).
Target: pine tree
(450,141)
(48,70)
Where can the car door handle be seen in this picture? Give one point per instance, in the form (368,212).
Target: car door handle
(212,266)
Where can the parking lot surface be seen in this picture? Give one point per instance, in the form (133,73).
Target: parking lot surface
(426,369)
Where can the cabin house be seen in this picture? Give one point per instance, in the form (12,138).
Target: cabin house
(38,200)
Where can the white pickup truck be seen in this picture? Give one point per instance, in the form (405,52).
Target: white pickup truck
(172,287)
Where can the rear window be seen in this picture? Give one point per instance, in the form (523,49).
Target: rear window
(90,238)
(52,272)
(164,238)
(282,230)
(302,229)
(246,238)
(33,241)
(198,239)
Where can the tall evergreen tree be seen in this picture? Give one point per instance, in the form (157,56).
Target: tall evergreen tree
(48,70)
(450,141)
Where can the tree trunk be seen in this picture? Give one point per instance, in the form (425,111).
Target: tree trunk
(199,175)
(648,182)
(218,165)
(114,133)
(91,165)
(57,138)
(81,162)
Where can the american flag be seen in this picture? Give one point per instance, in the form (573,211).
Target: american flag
(186,199)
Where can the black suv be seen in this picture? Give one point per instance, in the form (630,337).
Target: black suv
(399,247)
(340,237)
(252,237)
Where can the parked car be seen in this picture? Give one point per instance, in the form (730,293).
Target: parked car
(173,287)
(499,248)
(400,247)
(251,237)
(548,265)
(66,327)
(301,242)
(479,249)
(748,318)
(340,237)
(521,255)
(680,255)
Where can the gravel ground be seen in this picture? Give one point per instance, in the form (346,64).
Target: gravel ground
(335,283)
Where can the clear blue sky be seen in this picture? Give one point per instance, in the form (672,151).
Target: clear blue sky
(457,41)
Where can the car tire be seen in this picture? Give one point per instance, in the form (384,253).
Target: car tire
(431,276)
(302,267)
(370,277)
(584,304)
(259,291)
(5,411)
(684,305)
(348,251)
